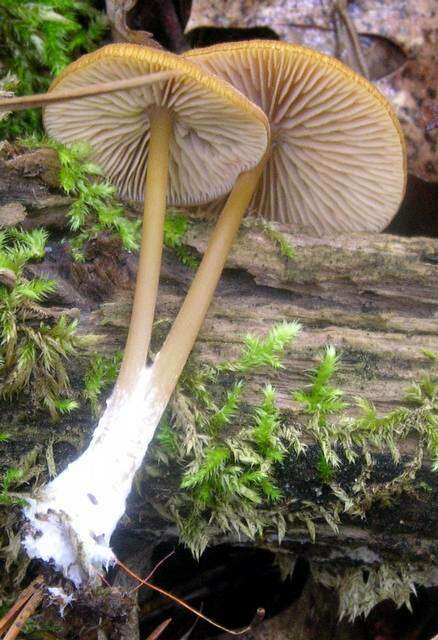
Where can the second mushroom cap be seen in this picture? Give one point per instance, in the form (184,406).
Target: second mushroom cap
(337,159)
(217,132)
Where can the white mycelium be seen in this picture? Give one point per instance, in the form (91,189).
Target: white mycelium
(73,517)
(58,596)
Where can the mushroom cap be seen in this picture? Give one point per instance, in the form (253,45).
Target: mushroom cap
(337,160)
(217,132)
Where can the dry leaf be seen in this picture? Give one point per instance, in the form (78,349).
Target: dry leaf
(158,23)
(399,39)
(117,11)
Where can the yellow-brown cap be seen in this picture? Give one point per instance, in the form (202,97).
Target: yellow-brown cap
(337,160)
(217,132)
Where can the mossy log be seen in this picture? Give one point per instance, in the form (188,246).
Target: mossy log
(375,297)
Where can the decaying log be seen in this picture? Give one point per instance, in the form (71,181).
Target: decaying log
(375,297)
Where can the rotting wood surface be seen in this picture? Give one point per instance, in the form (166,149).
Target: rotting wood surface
(375,297)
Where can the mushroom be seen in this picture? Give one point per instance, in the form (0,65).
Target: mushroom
(217,134)
(336,163)
(194,128)
(189,136)
(348,153)
(337,160)
(20,103)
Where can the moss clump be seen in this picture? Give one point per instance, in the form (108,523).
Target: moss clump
(101,374)
(8,84)
(360,589)
(278,238)
(233,476)
(96,208)
(335,430)
(15,484)
(34,346)
(176,226)
(8,480)
(38,39)
(230,456)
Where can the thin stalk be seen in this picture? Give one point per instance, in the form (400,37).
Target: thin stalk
(21,601)
(159,630)
(181,603)
(53,97)
(341,6)
(83,504)
(154,212)
(27,611)
(182,336)
(151,573)
(148,272)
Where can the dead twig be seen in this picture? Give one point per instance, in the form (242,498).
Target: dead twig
(188,633)
(22,600)
(159,630)
(105,581)
(26,612)
(149,576)
(181,603)
(341,8)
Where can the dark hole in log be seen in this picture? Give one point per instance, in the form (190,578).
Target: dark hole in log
(387,622)
(418,213)
(382,55)
(206,36)
(229,582)
(165,19)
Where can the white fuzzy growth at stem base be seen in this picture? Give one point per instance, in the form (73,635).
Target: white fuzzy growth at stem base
(73,517)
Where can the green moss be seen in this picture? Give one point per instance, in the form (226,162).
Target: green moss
(360,589)
(8,85)
(36,629)
(38,39)
(16,485)
(8,480)
(267,352)
(96,208)
(325,470)
(101,374)
(320,398)
(231,455)
(176,226)
(335,430)
(34,346)
(285,248)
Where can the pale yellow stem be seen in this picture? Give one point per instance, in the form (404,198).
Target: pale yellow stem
(53,97)
(148,273)
(182,336)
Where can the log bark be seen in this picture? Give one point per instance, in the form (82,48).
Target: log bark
(375,297)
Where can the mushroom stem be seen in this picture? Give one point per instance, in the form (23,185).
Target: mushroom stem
(148,272)
(53,97)
(72,518)
(182,336)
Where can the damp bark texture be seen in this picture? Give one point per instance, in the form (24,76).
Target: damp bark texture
(374,297)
